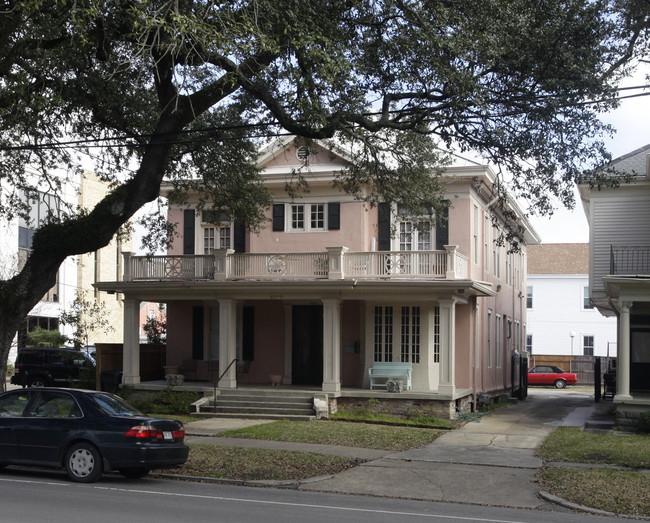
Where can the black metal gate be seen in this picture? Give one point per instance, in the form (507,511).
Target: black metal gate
(519,375)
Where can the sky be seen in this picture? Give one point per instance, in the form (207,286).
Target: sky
(632,123)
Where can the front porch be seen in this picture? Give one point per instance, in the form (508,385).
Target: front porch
(445,406)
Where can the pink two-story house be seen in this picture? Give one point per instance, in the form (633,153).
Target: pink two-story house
(332,289)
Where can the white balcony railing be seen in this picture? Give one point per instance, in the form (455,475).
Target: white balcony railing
(336,263)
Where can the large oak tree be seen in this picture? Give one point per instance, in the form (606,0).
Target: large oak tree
(187,90)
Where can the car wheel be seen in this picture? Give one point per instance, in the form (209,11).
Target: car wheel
(37,382)
(134,473)
(560,384)
(83,463)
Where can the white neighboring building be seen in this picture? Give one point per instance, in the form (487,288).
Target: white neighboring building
(561,318)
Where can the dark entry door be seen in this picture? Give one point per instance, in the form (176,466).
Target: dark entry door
(307,350)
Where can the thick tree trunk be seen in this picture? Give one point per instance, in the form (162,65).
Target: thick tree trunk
(53,243)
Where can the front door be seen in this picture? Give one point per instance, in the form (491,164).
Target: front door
(307,350)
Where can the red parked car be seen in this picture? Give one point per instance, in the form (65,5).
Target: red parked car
(551,375)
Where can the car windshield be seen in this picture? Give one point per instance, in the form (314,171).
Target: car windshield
(113,405)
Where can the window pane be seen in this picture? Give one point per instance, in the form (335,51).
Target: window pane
(318,216)
(224,238)
(586,301)
(208,240)
(405,236)
(297,217)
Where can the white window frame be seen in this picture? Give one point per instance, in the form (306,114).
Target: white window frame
(476,238)
(490,345)
(586,303)
(410,235)
(398,331)
(498,335)
(221,235)
(314,217)
(496,252)
(486,241)
(592,346)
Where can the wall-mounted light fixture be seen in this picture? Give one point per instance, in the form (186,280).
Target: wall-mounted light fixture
(499,288)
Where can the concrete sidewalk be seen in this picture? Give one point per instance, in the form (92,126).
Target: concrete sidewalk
(490,462)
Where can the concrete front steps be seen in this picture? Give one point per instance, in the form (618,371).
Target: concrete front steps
(259,404)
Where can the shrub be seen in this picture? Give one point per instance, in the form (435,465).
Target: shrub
(166,401)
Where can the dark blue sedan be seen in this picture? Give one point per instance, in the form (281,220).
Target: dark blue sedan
(86,433)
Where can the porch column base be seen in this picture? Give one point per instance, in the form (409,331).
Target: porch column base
(331,386)
(446,389)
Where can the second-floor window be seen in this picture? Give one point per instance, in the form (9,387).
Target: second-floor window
(529,297)
(586,301)
(216,230)
(414,236)
(306,217)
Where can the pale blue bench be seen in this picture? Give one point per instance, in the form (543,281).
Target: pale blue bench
(384,371)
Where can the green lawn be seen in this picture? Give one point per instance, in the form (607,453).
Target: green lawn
(619,491)
(362,435)
(213,461)
(573,445)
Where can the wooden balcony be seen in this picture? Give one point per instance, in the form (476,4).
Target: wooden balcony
(336,263)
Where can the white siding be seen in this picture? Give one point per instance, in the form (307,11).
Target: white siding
(558,310)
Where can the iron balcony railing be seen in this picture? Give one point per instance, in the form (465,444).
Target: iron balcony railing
(629,260)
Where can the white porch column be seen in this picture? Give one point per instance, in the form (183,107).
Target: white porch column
(227,342)
(288,344)
(131,349)
(447,369)
(623,363)
(331,345)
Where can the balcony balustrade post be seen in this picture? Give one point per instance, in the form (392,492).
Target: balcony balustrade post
(127,265)
(451,261)
(221,264)
(336,257)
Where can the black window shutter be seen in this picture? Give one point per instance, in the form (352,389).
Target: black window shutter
(239,240)
(442,230)
(248,334)
(188,231)
(278,217)
(197,333)
(383,228)
(334,216)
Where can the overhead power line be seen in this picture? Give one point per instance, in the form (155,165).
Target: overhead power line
(104,143)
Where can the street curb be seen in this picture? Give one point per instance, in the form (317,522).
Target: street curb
(574,506)
(289,484)
(275,483)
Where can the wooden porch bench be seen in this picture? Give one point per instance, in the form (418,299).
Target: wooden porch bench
(384,371)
